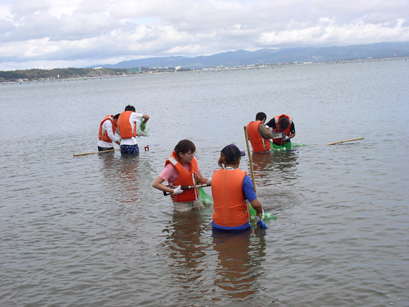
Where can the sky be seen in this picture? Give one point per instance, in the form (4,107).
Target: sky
(50,34)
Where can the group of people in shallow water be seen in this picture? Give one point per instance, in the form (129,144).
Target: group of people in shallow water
(280,129)
(125,124)
(232,189)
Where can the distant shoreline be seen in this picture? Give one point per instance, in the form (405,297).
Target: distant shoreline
(153,71)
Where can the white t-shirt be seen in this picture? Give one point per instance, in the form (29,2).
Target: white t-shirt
(134,118)
(107,126)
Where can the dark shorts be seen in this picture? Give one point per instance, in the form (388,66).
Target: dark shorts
(130,149)
(244,227)
(105,148)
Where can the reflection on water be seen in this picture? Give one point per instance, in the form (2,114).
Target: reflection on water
(185,248)
(239,263)
(235,265)
(261,167)
(271,168)
(284,165)
(121,175)
(275,175)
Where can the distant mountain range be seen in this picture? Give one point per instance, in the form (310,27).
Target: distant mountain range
(272,56)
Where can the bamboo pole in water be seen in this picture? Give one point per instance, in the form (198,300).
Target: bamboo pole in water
(345,141)
(94,152)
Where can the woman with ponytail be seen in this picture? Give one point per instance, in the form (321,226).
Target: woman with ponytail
(232,191)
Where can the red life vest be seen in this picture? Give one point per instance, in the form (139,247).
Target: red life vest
(230,207)
(126,130)
(185,178)
(257,142)
(103,134)
(286,131)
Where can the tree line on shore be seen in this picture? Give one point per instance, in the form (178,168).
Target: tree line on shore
(65,73)
(58,73)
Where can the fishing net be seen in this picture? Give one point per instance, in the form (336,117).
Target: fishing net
(204,197)
(142,129)
(267,216)
(286,146)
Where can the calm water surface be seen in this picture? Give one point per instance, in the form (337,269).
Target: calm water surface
(91,231)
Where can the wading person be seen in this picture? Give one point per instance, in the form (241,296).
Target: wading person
(106,135)
(258,134)
(282,124)
(231,187)
(182,169)
(127,126)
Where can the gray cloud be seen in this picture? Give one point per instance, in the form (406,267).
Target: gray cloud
(101,31)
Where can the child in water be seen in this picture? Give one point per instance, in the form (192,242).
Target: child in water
(182,169)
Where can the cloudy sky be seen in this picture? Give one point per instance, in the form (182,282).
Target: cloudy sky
(79,33)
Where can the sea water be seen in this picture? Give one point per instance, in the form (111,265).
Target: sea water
(91,231)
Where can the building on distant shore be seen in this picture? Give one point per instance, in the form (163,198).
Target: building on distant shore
(134,70)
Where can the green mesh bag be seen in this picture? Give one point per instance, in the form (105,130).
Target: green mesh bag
(286,147)
(142,129)
(204,197)
(267,216)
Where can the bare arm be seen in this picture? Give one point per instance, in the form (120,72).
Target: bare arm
(146,117)
(158,184)
(201,178)
(257,206)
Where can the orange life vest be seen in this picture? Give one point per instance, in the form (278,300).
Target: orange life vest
(257,142)
(286,131)
(103,134)
(185,178)
(126,130)
(230,207)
